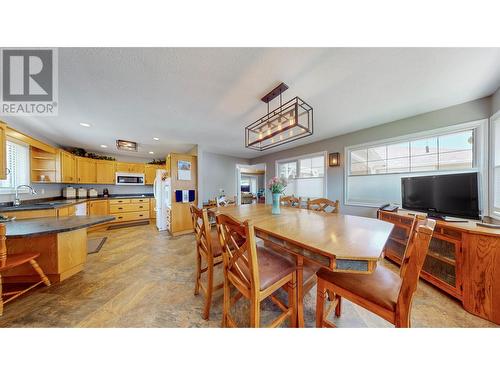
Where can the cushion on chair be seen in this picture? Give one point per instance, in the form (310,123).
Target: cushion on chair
(272,266)
(16,260)
(381,287)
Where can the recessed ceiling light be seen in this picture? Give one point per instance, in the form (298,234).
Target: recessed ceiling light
(151,152)
(85,124)
(104,146)
(156,138)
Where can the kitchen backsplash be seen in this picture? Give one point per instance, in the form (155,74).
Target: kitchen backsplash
(55,190)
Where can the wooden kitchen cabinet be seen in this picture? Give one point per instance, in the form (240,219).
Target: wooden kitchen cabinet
(86,170)
(129,167)
(150,172)
(67,167)
(100,207)
(105,172)
(3,154)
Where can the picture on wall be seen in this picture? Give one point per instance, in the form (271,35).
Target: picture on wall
(184,170)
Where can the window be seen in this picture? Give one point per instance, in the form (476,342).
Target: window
(17,167)
(495,166)
(305,175)
(374,171)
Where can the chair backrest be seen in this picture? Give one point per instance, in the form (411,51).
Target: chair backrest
(239,251)
(323,205)
(3,246)
(201,226)
(290,201)
(225,201)
(414,258)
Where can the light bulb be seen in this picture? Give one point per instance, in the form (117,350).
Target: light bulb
(260,135)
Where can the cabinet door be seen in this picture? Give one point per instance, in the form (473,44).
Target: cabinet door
(98,207)
(105,172)
(68,167)
(86,170)
(122,167)
(136,168)
(3,155)
(150,173)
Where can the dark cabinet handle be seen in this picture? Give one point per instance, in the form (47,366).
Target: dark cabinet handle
(120,208)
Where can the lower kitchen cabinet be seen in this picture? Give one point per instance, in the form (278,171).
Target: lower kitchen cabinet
(98,207)
(129,209)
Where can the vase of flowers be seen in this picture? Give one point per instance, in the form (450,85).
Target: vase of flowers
(276,186)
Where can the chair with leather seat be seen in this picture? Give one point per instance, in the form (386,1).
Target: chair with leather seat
(209,251)
(385,293)
(323,205)
(290,201)
(255,271)
(12,261)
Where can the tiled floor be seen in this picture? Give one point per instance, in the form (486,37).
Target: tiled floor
(143,278)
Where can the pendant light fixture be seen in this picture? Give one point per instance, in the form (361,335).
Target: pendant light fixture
(288,122)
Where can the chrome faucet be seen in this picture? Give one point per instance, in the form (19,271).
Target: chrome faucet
(17,201)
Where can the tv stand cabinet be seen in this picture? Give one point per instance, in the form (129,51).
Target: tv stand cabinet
(463,260)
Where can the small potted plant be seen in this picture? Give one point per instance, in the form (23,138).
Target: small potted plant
(277,187)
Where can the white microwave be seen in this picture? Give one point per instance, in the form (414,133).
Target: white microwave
(129,178)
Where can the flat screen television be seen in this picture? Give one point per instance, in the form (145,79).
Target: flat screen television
(441,195)
(245,188)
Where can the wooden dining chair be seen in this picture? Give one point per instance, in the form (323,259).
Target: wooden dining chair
(13,261)
(255,271)
(383,292)
(208,250)
(323,205)
(290,201)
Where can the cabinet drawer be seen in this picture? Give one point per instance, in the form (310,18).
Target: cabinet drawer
(130,216)
(139,200)
(119,201)
(131,207)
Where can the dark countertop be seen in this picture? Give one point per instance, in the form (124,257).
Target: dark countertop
(51,225)
(60,202)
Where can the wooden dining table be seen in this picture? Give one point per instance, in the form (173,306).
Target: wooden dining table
(341,243)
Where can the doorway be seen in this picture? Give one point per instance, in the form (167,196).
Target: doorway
(251,184)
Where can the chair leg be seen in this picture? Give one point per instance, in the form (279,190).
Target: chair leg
(227,302)
(300,291)
(1,299)
(210,289)
(320,303)
(254,313)
(338,308)
(292,300)
(40,272)
(198,273)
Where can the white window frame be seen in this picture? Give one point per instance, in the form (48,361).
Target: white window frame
(12,190)
(480,149)
(491,166)
(306,156)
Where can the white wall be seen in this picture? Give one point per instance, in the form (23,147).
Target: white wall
(495,102)
(474,110)
(217,172)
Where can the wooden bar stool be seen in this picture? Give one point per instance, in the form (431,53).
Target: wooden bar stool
(383,292)
(255,271)
(208,249)
(12,261)
(323,205)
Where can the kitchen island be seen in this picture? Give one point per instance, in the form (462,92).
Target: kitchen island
(61,242)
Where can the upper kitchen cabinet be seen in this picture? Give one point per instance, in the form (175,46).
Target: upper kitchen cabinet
(67,165)
(43,165)
(129,167)
(105,172)
(150,172)
(86,170)
(3,156)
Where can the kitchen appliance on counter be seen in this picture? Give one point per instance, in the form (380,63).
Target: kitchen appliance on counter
(162,193)
(92,193)
(129,178)
(105,192)
(81,193)
(69,192)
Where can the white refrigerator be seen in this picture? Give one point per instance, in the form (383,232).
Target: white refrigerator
(163,196)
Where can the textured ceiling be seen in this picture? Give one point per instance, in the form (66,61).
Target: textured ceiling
(206,96)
